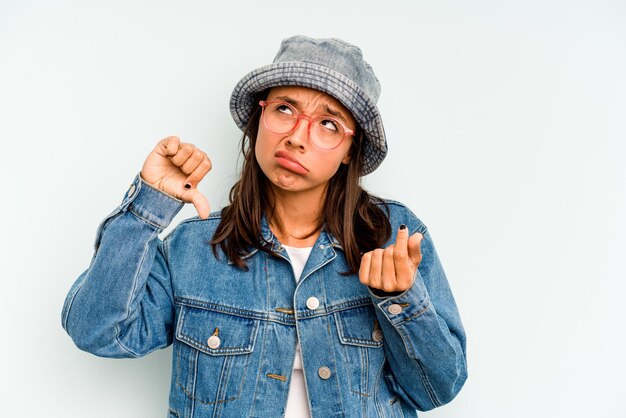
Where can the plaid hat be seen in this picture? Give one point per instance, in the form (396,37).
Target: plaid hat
(329,65)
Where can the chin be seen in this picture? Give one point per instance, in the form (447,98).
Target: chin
(286,183)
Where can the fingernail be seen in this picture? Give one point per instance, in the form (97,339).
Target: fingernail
(187,186)
(402,227)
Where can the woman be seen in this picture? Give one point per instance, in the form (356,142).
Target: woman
(305,296)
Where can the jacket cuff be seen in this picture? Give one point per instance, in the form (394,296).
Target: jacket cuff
(404,306)
(151,204)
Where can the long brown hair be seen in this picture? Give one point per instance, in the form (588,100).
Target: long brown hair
(349,212)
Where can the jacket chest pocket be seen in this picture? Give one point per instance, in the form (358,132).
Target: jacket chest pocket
(361,341)
(212,353)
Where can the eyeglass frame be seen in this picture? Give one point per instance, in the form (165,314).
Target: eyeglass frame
(300,116)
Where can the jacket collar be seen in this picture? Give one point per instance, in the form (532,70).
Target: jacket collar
(326,239)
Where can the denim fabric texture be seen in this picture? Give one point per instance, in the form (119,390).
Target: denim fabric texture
(331,65)
(234,332)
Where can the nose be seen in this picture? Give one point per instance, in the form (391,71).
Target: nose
(300,133)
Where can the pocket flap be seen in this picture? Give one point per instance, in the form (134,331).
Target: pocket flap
(236,334)
(359,326)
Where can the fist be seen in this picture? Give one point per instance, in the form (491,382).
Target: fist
(393,269)
(176,168)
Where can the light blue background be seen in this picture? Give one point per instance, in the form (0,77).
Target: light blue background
(505,122)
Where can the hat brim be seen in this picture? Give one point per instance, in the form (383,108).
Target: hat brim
(319,77)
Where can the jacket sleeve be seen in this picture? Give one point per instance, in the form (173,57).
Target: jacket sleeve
(424,336)
(122,305)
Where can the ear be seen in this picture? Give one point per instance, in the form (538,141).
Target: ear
(347,158)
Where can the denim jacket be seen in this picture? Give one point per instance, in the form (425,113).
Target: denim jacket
(234,332)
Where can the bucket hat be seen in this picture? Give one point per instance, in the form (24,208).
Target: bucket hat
(331,65)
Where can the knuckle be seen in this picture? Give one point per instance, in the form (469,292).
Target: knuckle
(400,255)
(388,287)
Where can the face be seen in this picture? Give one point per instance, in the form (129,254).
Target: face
(290,161)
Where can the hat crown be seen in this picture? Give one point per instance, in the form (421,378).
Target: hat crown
(335,54)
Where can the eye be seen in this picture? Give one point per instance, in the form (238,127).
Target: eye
(330,124)
(283,108)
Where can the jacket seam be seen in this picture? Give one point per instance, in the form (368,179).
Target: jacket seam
(421,227)
(333,348)
(406,340)
(376,391)
(261,315)
(132,296)
(102,228)
(140,217)
(166,257)
(427,385)
(259,373)
(212,217)
(415,315)
(407,347)
(423,377)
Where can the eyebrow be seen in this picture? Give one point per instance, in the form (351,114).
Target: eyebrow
(327,109)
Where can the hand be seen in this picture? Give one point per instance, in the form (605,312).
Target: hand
(393,269)
(172,165)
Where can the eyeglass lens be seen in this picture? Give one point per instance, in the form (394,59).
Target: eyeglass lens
(282,118)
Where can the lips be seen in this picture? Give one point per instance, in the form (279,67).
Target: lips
(288,161)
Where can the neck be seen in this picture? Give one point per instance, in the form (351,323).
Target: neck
(297,216)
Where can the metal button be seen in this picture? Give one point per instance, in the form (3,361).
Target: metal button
(377,335)
(394,309)
(213,341)
(324,372)
(312,303)
(131,190)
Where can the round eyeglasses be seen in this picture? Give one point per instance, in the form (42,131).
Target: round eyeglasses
(325,132)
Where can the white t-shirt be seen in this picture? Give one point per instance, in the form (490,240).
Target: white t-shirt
(297,403)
